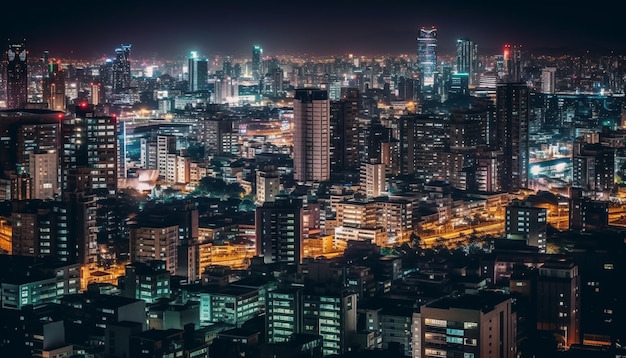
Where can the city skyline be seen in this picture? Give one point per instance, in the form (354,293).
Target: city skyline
(161,29)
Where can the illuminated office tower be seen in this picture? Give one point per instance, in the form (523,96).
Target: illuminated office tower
(198,72)
(512,112)
(54,88)
(121,68)
(548,79)
(17,76)
(280,231)
(311,112)
(513,62)
(427,58)
(96,93)
(467,59)
(257,64)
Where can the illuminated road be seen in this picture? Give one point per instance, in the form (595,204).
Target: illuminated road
(461,235)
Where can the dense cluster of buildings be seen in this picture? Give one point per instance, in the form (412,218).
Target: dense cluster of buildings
(284,207)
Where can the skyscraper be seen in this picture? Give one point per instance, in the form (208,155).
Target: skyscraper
(17,76)
(548,80)
(257,55)
(513,62)
(345,131)
(121,68)
(54,87)
(198,72)
(467,59)
(311,152)
(512,112)
(427,58)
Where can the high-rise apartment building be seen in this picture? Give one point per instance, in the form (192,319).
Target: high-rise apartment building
(89,151)
(32,223)
(220,135)
(423,141)
(166,156)
(17,75)
(331,315)
(280,231)
(153,239)
(481,325)
(198,72)
(44,174)
(558,303)
(427,58)
(526,222)
(372,179)
(512,117)
(283,314)
(311,152)
(593,168)
(267,184)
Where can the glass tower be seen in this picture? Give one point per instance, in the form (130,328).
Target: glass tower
(257,54)
(198,72)
(467,59)
(121,68)
(427,57)
(17,76)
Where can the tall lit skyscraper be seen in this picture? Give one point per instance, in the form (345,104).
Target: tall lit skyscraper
(17,76)
(513,62)
(257,55)
(548,79)
(198,72)
(427,58)
(311,152)
(121,68)
(467,59)
(54,87)
(512,113)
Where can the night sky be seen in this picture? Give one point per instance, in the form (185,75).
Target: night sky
(169,29)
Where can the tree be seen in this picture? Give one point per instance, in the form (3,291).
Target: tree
(217,188)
